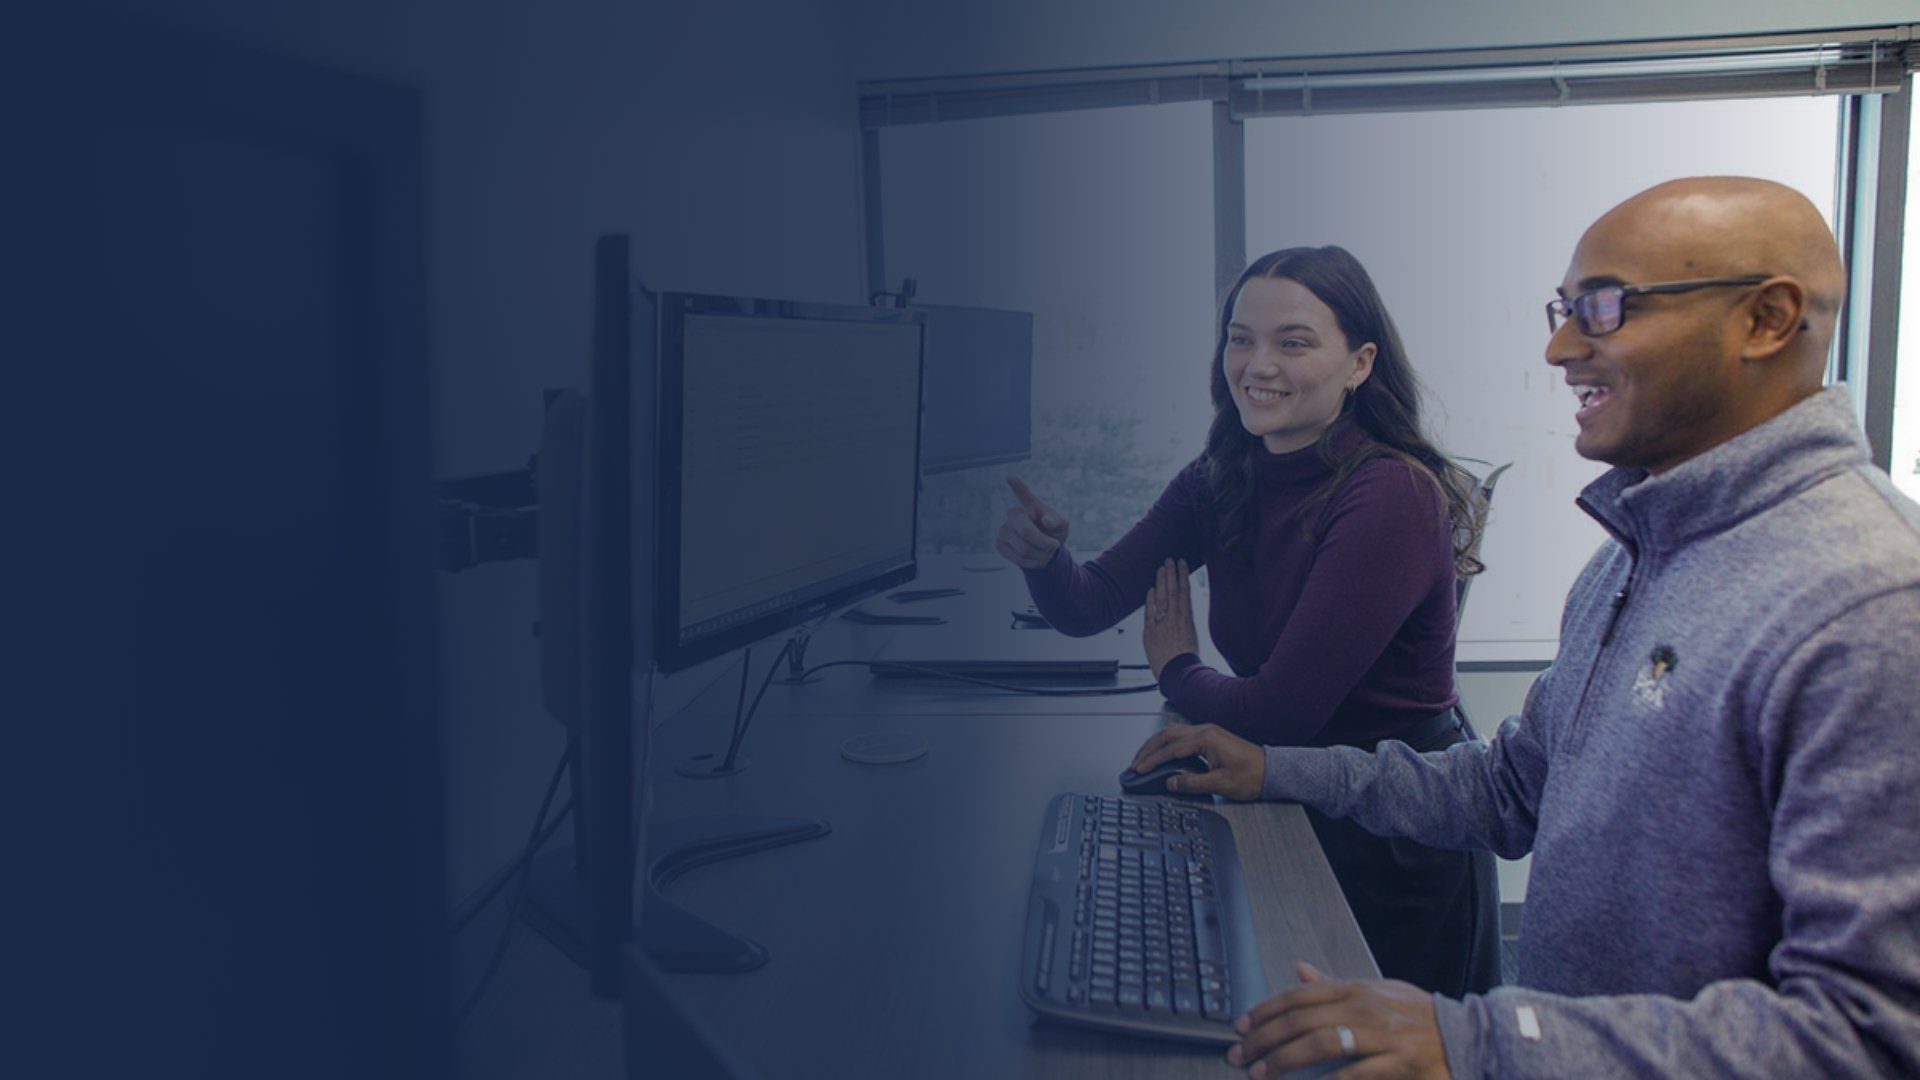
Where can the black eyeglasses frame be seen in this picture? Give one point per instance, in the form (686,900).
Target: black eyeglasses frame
(1568,308)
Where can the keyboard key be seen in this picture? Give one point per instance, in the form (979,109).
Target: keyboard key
(1206,927)
(1186,1001)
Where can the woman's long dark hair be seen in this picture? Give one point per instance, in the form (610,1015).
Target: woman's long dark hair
(1386,407)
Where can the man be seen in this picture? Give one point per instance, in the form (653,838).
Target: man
(1719,777)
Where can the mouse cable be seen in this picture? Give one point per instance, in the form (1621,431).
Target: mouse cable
(1038,691)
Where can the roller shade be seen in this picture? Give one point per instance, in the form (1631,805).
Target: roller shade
(1862,61)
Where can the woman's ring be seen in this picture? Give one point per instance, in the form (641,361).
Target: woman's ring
(1347,1046)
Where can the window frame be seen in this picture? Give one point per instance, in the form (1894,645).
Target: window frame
(1868,69)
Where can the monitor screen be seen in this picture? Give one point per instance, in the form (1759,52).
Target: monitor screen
(979,387)
(789,482)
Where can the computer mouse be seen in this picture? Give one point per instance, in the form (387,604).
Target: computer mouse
(1154,780)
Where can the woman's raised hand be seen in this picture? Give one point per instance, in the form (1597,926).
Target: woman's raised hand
(1033,531)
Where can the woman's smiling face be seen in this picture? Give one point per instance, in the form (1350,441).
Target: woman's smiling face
(1287,363)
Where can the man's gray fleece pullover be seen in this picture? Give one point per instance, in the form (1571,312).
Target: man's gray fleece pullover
(1718,779)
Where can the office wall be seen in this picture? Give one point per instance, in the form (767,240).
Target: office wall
(909,38)
(721,135)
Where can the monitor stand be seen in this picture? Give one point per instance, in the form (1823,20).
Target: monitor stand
(673,937)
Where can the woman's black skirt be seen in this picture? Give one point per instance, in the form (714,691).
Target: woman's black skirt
(1431,916)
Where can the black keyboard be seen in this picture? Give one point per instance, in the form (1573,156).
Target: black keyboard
(1138,920)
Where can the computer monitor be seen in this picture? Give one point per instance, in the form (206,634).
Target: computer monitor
(979,388)
(789,465)
(595,481)
(732,468)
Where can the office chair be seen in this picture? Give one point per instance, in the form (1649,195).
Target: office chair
(1461,586)
(1486,504)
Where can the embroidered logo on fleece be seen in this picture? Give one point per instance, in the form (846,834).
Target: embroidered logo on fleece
(1650,686)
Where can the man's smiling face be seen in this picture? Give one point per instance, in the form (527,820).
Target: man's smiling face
(1663,387)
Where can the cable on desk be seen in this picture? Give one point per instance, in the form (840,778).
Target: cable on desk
(1038,691)
(742,718)
(477,902)
(534,839)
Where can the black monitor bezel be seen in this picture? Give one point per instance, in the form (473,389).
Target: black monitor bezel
(670,653)
(932,465)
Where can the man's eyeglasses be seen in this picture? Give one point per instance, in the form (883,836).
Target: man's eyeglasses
(1602,310)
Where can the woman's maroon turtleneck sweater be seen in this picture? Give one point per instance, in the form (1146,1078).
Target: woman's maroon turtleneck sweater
(1342,636)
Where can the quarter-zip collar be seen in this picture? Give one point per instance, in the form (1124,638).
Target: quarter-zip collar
(1715,490)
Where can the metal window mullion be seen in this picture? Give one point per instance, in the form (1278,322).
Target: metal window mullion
(1888,241)
(1859,164)
(1229,200)
(874,216)
(1845,152)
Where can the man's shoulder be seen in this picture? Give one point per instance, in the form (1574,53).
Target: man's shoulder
(1842,541)
(1850,526)
(1867,495)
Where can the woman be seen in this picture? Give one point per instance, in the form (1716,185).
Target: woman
(1335,535)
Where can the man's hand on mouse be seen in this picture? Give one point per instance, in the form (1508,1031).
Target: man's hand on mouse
(1168,629)
(1033,531)
(1238,767)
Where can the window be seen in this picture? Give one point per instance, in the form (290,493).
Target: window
(1100,223)
(1904,466)
(1461,179)
(1466,221)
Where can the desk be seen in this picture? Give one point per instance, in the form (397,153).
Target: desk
(895,940)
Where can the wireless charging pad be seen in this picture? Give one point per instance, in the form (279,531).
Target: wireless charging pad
(883,748)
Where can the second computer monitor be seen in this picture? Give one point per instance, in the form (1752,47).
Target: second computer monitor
(789,465)
(979,387)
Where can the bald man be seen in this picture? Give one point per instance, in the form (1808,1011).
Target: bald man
(1719,777)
